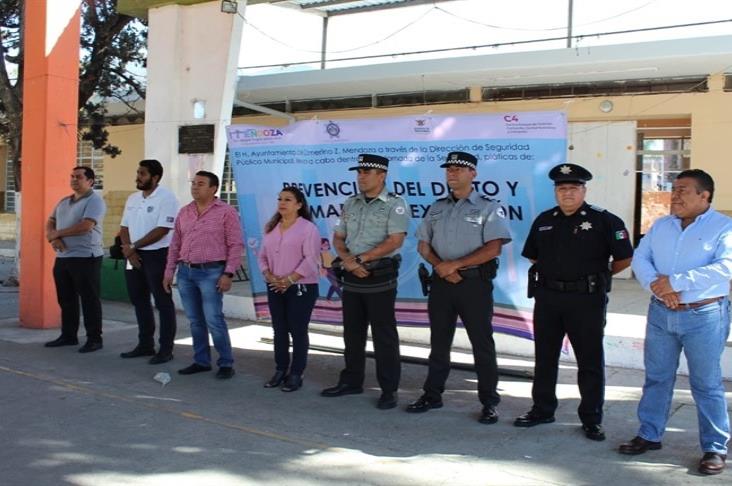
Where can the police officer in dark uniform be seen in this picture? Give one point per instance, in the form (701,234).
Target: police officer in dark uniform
(571,247)
(371,230)
(461,237)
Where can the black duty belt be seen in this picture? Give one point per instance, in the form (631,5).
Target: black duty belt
(219,263)
(473,272)
(586,285)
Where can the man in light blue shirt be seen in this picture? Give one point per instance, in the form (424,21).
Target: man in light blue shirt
(685,260)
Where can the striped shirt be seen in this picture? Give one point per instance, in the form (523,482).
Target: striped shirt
(214,235)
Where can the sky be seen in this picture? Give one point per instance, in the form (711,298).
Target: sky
(277,35)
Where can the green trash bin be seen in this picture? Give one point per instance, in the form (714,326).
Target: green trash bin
(113,280)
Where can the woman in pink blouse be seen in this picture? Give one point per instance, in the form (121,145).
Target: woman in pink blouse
(289,260)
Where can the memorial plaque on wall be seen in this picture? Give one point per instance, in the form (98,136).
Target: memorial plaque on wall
(196,139)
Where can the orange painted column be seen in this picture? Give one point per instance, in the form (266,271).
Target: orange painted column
(50,114)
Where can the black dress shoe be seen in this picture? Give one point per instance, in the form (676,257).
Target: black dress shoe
(161,358)
(225,372)
(387,400)
(276,379)
(91,346)
(638,445)
(341,389)
(292,383)
(137,352)
(531,418)
(594,432)
(194,368)
(423,404)
(712,463)
(62,341)
(488,415)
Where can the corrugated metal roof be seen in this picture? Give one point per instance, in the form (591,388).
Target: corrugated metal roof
(329,8)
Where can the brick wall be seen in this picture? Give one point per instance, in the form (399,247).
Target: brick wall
(7,226)
(115,206)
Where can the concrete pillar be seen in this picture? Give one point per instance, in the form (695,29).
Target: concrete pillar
(193,54)
(50,115)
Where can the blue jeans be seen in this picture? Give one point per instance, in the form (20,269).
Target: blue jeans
(203,304)
(702,334)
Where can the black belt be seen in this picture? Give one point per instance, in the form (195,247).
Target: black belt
(470,272)
(588,285)
(219,263)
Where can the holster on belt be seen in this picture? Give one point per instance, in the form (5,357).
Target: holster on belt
(337,266)
(488,270)
(533,281)
(424,279)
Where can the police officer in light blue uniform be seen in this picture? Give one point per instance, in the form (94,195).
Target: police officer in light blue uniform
(367,239)
(461,237)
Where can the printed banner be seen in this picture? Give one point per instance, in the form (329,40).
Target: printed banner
(515,152)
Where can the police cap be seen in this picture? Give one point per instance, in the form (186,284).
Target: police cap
(569,173)
(462,159)
(371,161)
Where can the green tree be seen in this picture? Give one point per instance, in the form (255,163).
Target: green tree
(113,54)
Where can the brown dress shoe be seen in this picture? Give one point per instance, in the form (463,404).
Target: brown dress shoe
(638,445)
(712,463)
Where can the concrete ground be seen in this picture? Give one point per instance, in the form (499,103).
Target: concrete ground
(95,419)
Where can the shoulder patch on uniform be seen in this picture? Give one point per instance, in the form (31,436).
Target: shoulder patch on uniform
(399,210)
(621,235)
(500,212)
(598,208)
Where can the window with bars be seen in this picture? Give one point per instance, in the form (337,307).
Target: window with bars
(86,155)
(228,185)
(9,186)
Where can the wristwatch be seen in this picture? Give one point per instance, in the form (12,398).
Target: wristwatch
(358,260)
(131,246)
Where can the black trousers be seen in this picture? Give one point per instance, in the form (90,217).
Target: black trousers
(581,317)
(141,284)
(78,278)
(472,300)
(372,302)
(291,313)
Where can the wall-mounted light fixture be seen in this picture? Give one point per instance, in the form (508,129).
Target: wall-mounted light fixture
(199,109)
(606,106)
(229,6)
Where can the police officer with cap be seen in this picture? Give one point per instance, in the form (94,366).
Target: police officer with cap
(575,249)
(371,230)
(461,237)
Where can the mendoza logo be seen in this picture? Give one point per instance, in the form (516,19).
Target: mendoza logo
(250,133)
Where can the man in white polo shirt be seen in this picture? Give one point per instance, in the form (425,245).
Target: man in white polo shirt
(145,233)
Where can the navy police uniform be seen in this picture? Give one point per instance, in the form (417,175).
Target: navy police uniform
(366,223)
(569,281)
(454,229)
